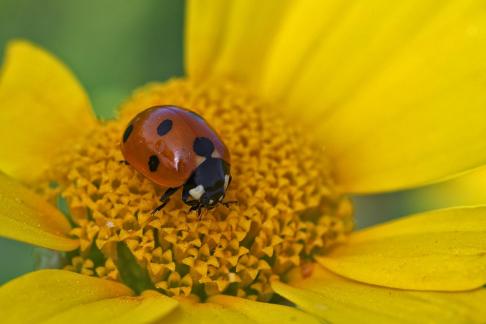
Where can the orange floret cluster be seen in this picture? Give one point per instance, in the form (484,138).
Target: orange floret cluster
(288,209)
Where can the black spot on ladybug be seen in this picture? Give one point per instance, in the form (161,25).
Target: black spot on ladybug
(164,127)
(153,163)
(203,146)
(127,133)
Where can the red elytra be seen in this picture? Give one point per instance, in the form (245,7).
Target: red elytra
(173,148)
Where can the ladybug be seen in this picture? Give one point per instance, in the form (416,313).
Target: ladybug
(174,148)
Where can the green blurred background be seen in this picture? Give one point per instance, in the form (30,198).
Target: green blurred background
(113,47)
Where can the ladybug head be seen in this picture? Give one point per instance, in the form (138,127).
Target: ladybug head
(208,184)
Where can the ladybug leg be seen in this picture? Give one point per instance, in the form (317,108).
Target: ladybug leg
(187,199)
(194,205)
(164,199)
(156,209)
(229,203)
(199,212)
(197,206)
(124,162)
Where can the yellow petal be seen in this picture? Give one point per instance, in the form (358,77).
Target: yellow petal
(395,90)
(229,38)
(442,250)
(148,308)
(205,20)
(42,106)
(263,312)
(26,217)
(339,300)
(42,294)
(227,309)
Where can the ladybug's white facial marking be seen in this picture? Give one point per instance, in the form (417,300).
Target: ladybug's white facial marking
(197,192)
(199,160)
(226,182)
(216,154)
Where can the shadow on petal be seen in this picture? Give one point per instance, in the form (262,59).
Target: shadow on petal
(228,309)
(28,218)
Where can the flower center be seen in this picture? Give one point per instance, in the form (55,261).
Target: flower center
(288,209)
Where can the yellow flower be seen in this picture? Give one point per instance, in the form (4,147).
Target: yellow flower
(316,100)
